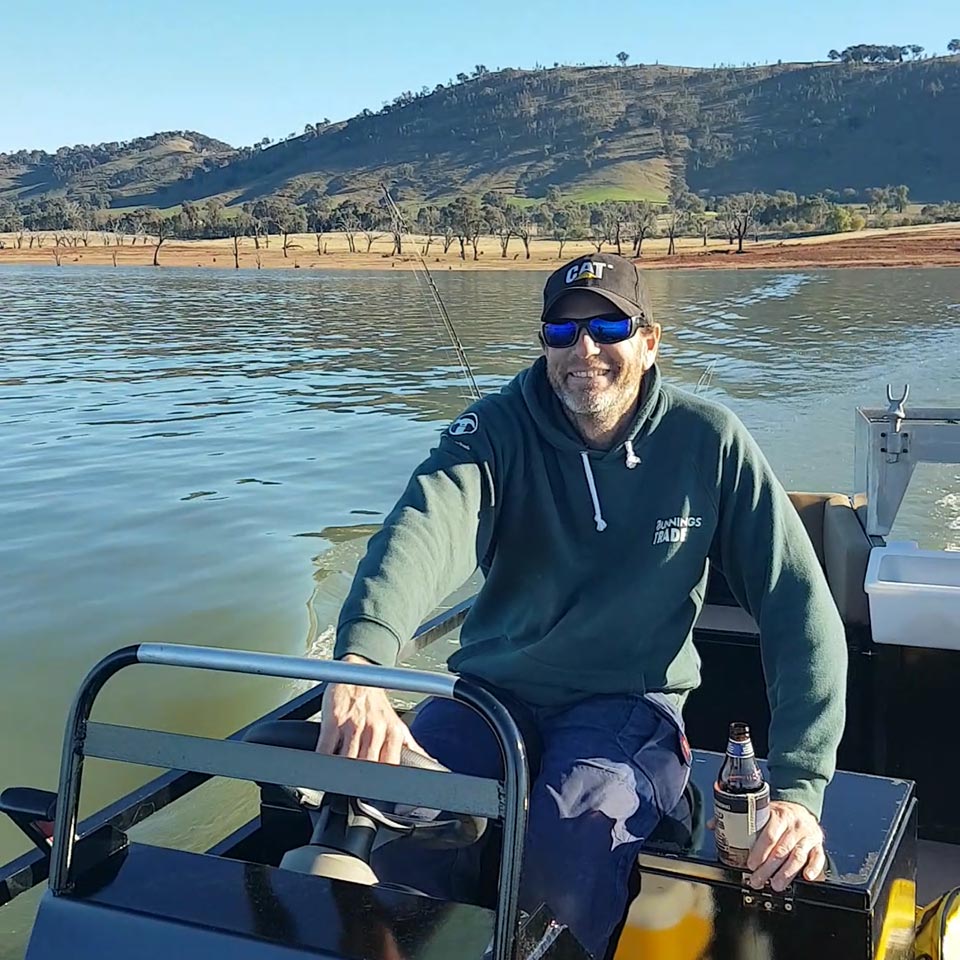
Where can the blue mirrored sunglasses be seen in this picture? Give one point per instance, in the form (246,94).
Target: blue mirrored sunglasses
(608,329)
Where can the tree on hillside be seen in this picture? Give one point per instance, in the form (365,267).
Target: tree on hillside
(954,46)
(522,223)
(642,223)
(288,219)
(154,223)
(499,221)
(318,220)
(467,221)
(372,224)
(915,50)
(623,57)
(427,225)
(834,54)
(566,223)
(736,214)
(901,197)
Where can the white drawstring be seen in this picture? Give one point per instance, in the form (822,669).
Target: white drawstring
(632,459)
(601,523)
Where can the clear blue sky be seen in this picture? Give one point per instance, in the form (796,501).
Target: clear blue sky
(99,70)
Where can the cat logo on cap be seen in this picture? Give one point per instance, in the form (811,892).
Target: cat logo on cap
(588,270)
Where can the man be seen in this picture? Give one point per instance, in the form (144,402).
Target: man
(593,497)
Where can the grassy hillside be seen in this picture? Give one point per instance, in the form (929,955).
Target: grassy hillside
(595,132)
(112,172)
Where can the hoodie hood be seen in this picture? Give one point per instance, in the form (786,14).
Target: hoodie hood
(554,425)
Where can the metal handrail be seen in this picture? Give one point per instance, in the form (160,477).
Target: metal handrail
(515,781)
(33,867)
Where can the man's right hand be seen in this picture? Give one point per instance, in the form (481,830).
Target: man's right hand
(360,722)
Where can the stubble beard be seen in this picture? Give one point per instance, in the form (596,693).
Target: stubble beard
(599,409)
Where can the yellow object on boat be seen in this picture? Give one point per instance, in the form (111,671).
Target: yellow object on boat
(938,929)
(669,920)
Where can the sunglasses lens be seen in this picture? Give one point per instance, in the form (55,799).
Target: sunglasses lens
(562,334)
(609,330)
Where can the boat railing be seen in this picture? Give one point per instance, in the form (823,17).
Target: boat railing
(33,867)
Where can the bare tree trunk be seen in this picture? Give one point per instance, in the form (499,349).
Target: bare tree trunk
(286,242)
(114,257)
(504,243)
(473,243)
(236,251)
(562,241)
(57,254)
(397,243)
(40,239)
(30,244)
(20,240)
(672,248)
(426,246)
(617,241)
(156,251)
(258,259)
(447,242)
(319,237)
(463,249)
(256,238)
(525,237)
(704,228)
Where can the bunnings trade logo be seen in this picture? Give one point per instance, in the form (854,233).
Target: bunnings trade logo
(674,529)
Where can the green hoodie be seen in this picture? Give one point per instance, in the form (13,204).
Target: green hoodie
(595,563)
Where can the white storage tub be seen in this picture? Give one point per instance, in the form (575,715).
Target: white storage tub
(914,596)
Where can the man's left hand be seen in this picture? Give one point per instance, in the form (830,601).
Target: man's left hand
(790,842)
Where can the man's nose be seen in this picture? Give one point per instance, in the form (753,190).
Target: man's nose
(586,346)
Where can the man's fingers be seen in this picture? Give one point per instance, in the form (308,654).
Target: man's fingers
(763,846)
(350,735)
(392,743)
(329,737)
(793,864)
(371,742)
(816,864)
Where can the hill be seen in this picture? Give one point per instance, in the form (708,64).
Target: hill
(106,174)
(595,133)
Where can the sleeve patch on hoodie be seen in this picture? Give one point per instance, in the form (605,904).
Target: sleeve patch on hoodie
(463,425)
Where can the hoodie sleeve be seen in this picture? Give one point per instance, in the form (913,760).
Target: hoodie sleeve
(767,558)
(430,543)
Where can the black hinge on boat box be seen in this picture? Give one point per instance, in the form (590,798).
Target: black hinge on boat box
(765,899)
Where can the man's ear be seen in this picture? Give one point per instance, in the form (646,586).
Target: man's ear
(651,343)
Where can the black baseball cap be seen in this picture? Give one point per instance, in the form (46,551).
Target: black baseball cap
(600,277)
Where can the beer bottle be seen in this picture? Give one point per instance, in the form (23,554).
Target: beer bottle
(741,799)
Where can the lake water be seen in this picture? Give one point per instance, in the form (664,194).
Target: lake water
(198,457)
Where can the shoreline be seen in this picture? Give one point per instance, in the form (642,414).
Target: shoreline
(919,246)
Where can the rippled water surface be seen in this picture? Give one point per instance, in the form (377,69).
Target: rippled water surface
(199,457)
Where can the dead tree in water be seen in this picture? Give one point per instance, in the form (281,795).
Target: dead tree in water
(236,251)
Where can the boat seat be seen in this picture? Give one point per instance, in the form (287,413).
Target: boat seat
(842,547)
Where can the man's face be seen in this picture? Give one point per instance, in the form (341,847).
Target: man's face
(601,380)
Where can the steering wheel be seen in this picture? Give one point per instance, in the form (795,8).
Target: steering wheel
(342,821)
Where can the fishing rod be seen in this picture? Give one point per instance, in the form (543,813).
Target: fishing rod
(399,224)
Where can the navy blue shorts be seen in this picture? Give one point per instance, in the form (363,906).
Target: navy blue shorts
(612,768)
